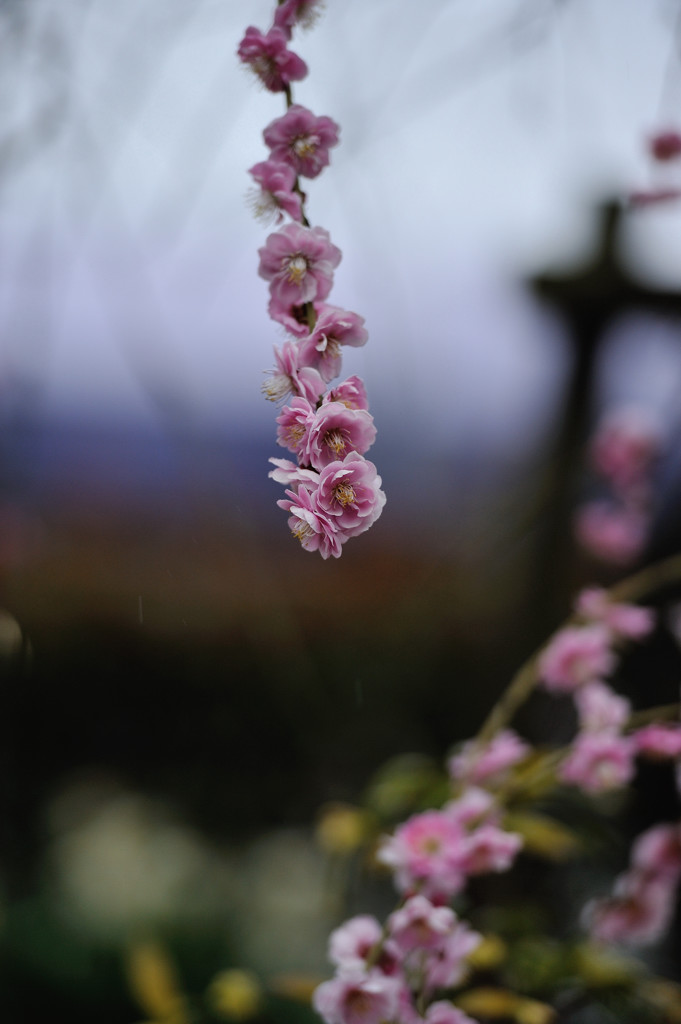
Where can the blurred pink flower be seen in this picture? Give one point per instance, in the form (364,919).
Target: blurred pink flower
(474,806)
(657,851)
(629,621)
(350,392)
(653,196)
(418,924)
(292,376)
(268,57)
(574,656)
(444,1012)
(299,263)
(611,532)
(352,942)
(290,13)
(355,996)
(624,446)
(658,740)
(333,329)
(639,911)
(293,427)
(477,763)
(600,709)
(665,145)
(425,852)
(291,316)
(445,965)
(276,181)
(489,848)
(301,140)
(599,762)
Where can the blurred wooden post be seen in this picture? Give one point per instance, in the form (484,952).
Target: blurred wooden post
(589,299)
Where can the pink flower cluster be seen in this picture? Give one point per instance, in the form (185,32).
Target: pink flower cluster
(488,763)
(576,661)
(423,949)
(434,853)
(623,452)
(644,896)
(401,971)
(404,971)
(333,492)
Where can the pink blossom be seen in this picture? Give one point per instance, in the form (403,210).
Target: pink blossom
(354,940)
(445,965)
(296,12)
(300,139)
(287,472)
(574,656)
(643,899)
(336,431)
(489,848)
(299,263)
(292,376)
(268,57)
(420,925)
(657,852)
(629,621)
(425,853)
(351,491)
(294,424)
(333,329)
(276,193)
(610,532)
(489,762)
(665,145)
(432,853)
(653,196)
(444,1012)
(356,996)
(291,316)
(350,392)
(600,709)
(474,806)
(315,530)
(598,762)
(658,741)
(624,446)
(638,912)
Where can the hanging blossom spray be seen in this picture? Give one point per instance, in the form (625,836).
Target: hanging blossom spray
(333,492)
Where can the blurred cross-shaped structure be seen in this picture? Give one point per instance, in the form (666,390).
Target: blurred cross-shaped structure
(589,299)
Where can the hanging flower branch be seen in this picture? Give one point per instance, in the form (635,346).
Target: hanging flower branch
(333,492)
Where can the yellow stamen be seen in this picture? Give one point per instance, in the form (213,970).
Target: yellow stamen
(277,387)
(262,66)
(335,439)
(304,146)
(302,530)
(344,493)
(297,268)
(294,435)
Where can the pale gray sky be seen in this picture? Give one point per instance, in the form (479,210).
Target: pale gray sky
(475,137)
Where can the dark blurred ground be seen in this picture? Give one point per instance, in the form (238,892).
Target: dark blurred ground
(190,683)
